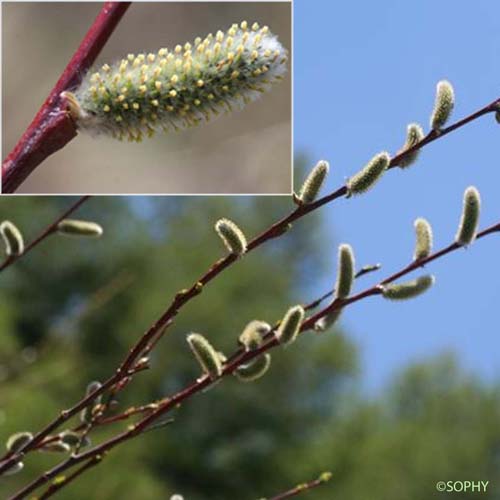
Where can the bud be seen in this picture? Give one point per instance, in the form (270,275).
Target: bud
(252,336)
(312,185)
(345,271)
(366,178)
(206,355)
(409,289)
(13,239)
(443,107)
(423,244)
(18,440)
(86,413)
(325,477)
(327,321)
(469,220)
(414,134)
(79,228)
(290,325)
(70,438)
(254,370)
(232,236)
(181,88)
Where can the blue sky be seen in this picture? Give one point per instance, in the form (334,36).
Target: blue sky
(363,71)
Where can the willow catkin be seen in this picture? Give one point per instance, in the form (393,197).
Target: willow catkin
(18,440)
(75,227)
(179,88)
(366,178)
(423,240)
(408,289)
(469,220)
(252,336)
(312,185)
(12,238)
(232,236)
(289,327)
(345,271)
(443,106)
(414,134)
(327,321)
(253,370)
(208,358)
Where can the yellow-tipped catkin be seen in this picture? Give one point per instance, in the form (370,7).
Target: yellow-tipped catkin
(443,106)
(327,321)
(18,440)
(345,271)
(180,88)
(252,336)
(208,358)
(290,325)
(366,178)
(409,289)
(312,185)
(75,227)
(253,370)
(232,236)
(414,134)
(423,242)
(469,220)
(13,239)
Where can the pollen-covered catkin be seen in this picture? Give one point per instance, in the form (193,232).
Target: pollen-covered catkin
(232,236)
(13,239)
(252,335)
(414,134)
(469,220)
(253,370)
(408,289)
(443,106)
(180,88)
(312,185)
(345,271)
(423,242)
(75,227)
(290,325)
(208,358)
(366,178)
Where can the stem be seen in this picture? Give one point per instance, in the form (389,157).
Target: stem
(52,128)
(50,229)
(302,488)
(235,360)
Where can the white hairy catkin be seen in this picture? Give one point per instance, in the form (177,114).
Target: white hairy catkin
(312,185)
(408,289)
(252,335)
(232,236)
(18,440)
(469,220)
(208,358)
(423,241)
(345,271)
(290,325)
(366,178)
(414,134)
(13,239)
(75,227)
(253,370)
(443,106)
(179,88)
(327,321)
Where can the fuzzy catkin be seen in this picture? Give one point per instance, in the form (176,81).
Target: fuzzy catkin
(345,271)
(254,370)
(327,321)
(366,178)
(469,220)
(423,242)
(13,239)
(75,227)
(312,185)
(232,236)
(290,325)
(18,440)
(414,134)
(179,88)
(443,106)
(408,289)
(208,358)
(252,335)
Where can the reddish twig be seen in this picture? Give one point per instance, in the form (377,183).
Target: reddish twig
(52,127)
(234,361)
(302,488)
(50,229)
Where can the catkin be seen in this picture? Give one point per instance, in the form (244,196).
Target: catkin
(408,289)
(423,242)
(443,106)
(469,220)
(13,239)
(208,358)
(75,227)
(252,335)
(290,325)
(366,178)
(253,370)
(414,134)
(345,271)
(232,236)
(312,185)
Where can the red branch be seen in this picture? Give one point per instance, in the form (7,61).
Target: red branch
(52,127)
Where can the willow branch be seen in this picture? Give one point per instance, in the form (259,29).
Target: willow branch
(303,488)
(52,128)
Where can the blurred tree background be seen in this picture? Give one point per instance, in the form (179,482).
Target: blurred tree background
(70,310)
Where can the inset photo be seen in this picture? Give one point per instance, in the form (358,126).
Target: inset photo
(147,97)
